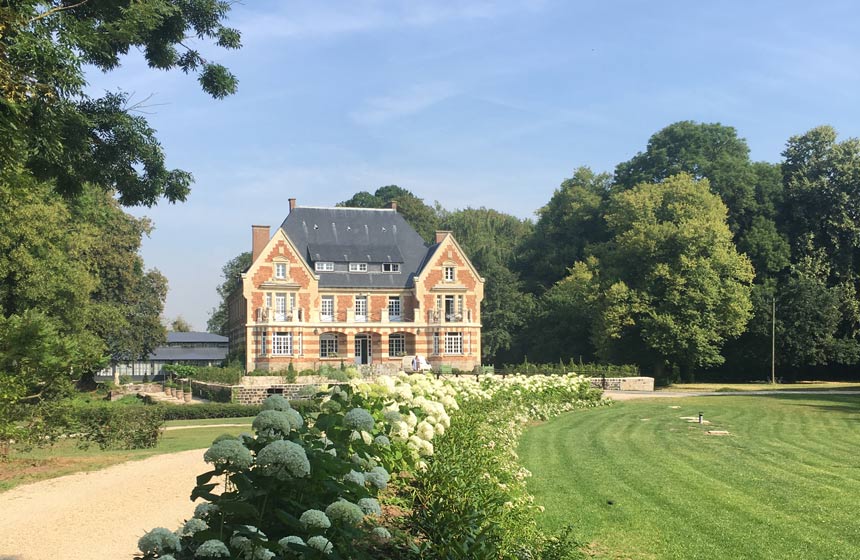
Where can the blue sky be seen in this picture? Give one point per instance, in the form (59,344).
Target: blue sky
(469,103)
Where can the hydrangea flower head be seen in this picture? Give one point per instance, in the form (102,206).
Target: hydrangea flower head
(212,549)
(381,533)
(292,539)
(271,424)
(229,454)
(331,406)
(284,460)
(321,543)
(224,437)
(359,419)
(276,402)
(314,519)
(204,510)
(355,477)
(158,541)
(370,506)
(378,477)
(344,512)
(382,441)
(392,416)
(193,525)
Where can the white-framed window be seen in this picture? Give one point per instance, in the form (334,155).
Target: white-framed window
(397,345)
(327,308)
(262,343)
(361,308)
(280,307)
(390,267)
(453,343)
(280,270)
(449,273)
(282,344)
(394,308)
(358,267)
(328,345)
(435,343)
(268,299)
(324,266)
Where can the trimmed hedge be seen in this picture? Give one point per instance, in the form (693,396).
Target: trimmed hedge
(560,368)
(119,427)
(201,411)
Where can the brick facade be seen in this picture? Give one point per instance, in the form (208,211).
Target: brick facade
(278,321)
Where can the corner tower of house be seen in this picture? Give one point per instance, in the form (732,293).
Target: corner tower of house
(358,285)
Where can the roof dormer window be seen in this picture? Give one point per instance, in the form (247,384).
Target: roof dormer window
(324,266)
(280,270)
(390,267)
(358,267)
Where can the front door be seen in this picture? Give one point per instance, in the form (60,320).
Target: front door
(362,349)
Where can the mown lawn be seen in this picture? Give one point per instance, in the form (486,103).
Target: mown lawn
(731,387)
(636,481)
(65,457)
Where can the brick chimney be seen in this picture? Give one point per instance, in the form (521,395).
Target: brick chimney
(441,235)
(392,205)
(259,238)
(292,204)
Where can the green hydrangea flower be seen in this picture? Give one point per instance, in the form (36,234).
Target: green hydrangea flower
(271,424)
(193,525)
(212,548)
(276,402)
(284,460)
(159,541)
(378,477)
(321,543)
(359,419)
(381,533)
(314,519)
(370,506)
(355,477)
(382,441)
(344,512)
(229,454)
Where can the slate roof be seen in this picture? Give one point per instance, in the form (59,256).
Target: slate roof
(190,337)
(343,235)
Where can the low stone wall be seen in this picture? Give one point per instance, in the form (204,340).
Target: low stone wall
(623,383)
(256,394)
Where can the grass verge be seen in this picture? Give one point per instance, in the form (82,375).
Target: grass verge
(639,482)
(66,458)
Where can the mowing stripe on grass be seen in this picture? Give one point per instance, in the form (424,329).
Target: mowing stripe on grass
(782,485)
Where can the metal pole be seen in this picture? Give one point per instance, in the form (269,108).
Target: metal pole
(773,342)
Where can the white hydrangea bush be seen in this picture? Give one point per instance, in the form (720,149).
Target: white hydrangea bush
(306,485)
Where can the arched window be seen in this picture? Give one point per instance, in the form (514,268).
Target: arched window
(328,345)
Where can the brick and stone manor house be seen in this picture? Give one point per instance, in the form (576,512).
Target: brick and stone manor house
(357,286)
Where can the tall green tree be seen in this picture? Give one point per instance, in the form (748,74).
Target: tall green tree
(567,227)
(57,133)
(491,240)
(822,185)
(230,272)
(673,286)
(706,151)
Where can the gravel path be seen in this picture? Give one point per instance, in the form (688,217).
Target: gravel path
(98,514)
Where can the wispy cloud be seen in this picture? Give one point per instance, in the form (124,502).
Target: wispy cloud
(312,19)
(412,100)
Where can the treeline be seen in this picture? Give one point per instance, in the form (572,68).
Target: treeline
(74,292)
(675,261)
